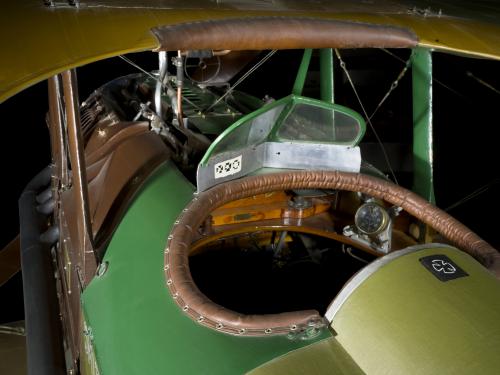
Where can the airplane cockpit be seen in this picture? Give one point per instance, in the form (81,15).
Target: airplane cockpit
(264,234)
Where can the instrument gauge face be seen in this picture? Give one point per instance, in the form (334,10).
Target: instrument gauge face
(371,218)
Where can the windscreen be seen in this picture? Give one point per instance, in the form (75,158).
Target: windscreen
(291,133)
(251,132)
(309,123)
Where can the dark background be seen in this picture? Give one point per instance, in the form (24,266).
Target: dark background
(466,130)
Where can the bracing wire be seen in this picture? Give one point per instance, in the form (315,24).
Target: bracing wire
(127,60)
(482,82)
(368,118)
(433,79)
(242,78)
(394,85)
(473,195)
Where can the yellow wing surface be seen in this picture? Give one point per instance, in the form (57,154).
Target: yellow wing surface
(39,40)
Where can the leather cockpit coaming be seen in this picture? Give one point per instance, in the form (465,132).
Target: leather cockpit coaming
(195,304)
(258,33)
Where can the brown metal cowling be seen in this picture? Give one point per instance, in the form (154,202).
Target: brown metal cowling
(258,33)
(199,307)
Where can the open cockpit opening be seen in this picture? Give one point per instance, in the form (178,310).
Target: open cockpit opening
(289,250)
(269,272)
(367,213)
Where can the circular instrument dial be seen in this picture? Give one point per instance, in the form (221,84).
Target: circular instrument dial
(371,218)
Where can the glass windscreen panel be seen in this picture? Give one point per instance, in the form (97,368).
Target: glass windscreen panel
(251,132)
(308,123)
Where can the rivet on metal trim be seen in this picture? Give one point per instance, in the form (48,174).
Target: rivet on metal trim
(219,326)
(268,330)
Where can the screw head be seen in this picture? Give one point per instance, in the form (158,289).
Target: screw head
(103,267)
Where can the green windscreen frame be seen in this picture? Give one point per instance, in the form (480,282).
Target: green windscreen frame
(285,108)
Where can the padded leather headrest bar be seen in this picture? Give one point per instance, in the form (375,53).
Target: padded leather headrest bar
(194,303)
(258,33)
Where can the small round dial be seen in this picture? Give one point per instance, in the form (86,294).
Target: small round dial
(371,218)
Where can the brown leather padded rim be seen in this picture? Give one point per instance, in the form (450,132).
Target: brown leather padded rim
(194,303)
(258,33)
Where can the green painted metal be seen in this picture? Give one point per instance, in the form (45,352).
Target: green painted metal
(298,86)
(290,101)
(136,326)
(327,81)
(249,101)
(423,180)
(403,320)
(321,358)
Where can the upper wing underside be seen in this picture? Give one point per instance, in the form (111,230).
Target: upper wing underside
(39,40)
